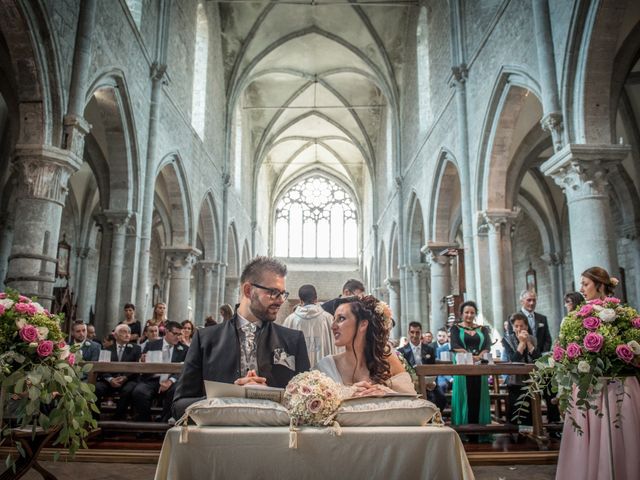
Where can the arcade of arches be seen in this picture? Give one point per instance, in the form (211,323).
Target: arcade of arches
(169,142)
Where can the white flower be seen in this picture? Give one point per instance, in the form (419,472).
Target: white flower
(20,323)
(583,366)
(65,352)
(635,346)
(42,333)
(598,308)
(608,315)
(552,362)
(7,303)
(39,308)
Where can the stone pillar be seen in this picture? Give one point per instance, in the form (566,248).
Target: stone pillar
(419,300)
(393,286)
(6,239)
(205,288)
(181,261)
(231,291)
(499,223)
(42,175)
(440,268)
(554,263)
(85,255)
(581,171)
(116,221)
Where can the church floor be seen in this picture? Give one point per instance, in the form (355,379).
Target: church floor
(127,471)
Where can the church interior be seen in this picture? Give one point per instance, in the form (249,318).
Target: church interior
(436,150)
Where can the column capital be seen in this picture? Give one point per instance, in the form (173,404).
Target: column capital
(207,266)
(43,171)
(114,219)
(392,283)
(418,269)
(181,257)
(552,259)
(434,252)
(459,75)
(581,170)
(552,123)
(158,73)
(75,129)
(496,218)
(631,231)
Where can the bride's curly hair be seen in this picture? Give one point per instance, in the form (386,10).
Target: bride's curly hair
(376,347)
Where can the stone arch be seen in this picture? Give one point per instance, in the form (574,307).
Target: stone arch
(246,252)
(172,190)
(233,258)
(417,234)
(394,261)
(208,231)
(382,264)
(445,200)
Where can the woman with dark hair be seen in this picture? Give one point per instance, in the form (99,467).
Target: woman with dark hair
(572,300)
(470,398)
(595,282)
(362,326)
(188,329)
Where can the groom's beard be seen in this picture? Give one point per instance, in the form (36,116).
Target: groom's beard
(261,312)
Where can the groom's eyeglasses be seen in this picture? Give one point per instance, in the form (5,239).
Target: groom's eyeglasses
(273,292)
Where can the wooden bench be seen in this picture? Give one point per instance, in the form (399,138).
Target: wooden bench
(502,368)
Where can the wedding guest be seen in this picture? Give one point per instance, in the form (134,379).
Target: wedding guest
(151,333)
(159,317)
(362,327)
(249,348)
(470,398)
(91,333)
(130,320)
(351,287)
(89,350)
(210,321)
(572,300)
(443,346)
(161,386)
(519,346)
(187,332)
(226,312)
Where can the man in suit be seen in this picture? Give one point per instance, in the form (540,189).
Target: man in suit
(539,328)
(352,287)
(250,348)
(153,386)
(120,383)
(418,353)
(89,350)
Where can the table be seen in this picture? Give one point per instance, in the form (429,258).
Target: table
(359,452)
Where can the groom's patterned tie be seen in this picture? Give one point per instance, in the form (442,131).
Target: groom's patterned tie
(248,354)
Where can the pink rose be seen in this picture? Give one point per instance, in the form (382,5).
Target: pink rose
(3,295)
(29,333)
(45,348)
(558,353)
(25,308)
(591,323)
(624,353)
(23,299)
(636,322)
(71,359)
(314,405)
(596,301)
(612,300)
(585,310)
(61,344)
(573,350)
(593,341)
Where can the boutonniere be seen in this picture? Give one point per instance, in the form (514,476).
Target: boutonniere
(87,343)
(129,345)
(180,347)
(280,357)
(540,325)
(428,355)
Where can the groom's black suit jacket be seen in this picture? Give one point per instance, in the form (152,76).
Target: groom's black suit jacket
(214,354)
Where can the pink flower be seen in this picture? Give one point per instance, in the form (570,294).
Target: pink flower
(591,323)
(596,301)
(1,309)
(558,353)
(71,359)
(314,405)
(305,390)
(624,353)
(29,333)
(3,295)
(573,350)
(593,342)
(61,344)
(585,310)
(45,348)
(23,299)
(25,308)
(636,322)
(612,300)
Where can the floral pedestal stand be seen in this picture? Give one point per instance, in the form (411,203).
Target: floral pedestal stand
(32,445)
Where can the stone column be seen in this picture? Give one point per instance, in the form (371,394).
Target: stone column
(116,221)
(419,293)
(440,268)
(181,261)
(204,291)
(42,175)
(85,256)
(499,223)
(6,239)
(554,263)
(581,171)
(393,286)
(231,291)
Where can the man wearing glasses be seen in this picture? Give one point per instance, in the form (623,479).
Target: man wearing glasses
(250,348)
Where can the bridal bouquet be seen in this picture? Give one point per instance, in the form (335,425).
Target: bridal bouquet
(40,381)
(600,339)
(311,399)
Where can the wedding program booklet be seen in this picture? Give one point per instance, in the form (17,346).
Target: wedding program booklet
(260,392)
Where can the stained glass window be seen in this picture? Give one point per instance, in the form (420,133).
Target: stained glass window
(316,218)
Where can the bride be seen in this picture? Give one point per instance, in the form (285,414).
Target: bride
(362,326)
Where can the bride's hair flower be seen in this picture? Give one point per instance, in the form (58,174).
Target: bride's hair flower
(614,281)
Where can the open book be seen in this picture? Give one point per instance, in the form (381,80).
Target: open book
(259,392)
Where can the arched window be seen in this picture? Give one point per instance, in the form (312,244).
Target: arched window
(199,97)
(422,58)
(316,218)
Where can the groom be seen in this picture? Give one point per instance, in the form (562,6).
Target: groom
(250,348)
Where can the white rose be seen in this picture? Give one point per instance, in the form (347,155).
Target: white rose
(608,315)
(20,323)
(39,308)
(552,362)
(635,346)
(583,366)
(65,352)
(7,303)
(42,333)
(598,308)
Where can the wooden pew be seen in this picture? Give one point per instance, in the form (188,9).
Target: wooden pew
(502,368)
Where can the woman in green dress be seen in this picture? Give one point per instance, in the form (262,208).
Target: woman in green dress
(470,400)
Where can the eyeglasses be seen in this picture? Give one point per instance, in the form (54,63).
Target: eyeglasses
(177,333)
(273,292)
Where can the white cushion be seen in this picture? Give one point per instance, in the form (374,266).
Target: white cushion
(229,411)
(385,412)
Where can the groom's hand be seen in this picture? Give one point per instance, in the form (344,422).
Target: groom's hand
(252,378)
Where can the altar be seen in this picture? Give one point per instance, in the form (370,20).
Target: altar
(358,452)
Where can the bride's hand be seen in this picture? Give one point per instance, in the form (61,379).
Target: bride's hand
(368,389)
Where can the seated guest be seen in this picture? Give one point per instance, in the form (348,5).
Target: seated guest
(519,346)
(150,333)
(443,345)
(362,326)
(91,333)
(249,348)
(89,351)
(120,383)
(160,386)
(187,332)
(470,398)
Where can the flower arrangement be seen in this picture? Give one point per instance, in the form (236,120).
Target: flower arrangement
(311,398)
(41,383)
(600,339)
(384,311)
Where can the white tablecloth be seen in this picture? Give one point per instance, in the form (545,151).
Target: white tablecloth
(360,452)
